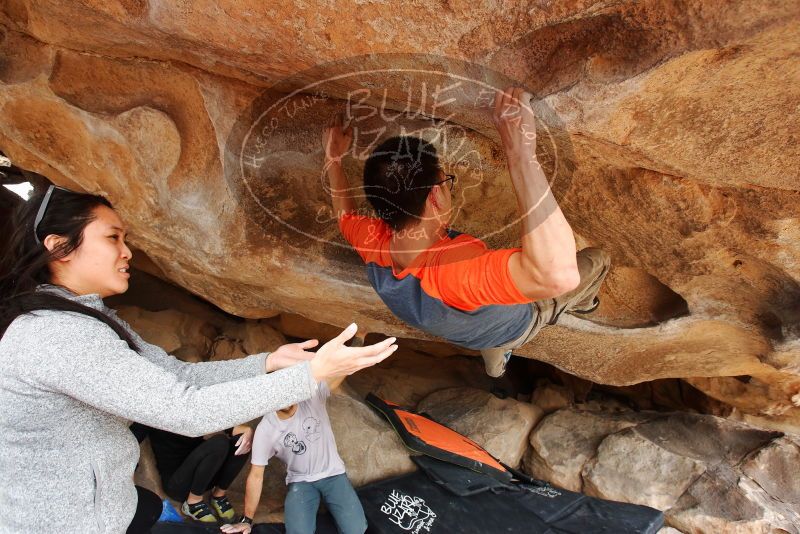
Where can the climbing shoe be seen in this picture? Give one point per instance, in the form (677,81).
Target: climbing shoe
(495,361)
(198,511)
(223,508)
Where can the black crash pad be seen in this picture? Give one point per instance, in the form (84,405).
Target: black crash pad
(325,525)
(416,504)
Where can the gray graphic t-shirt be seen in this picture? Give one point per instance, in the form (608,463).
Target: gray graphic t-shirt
(304,442)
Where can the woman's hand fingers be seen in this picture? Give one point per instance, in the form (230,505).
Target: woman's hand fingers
(371,350)
(346,335)
(368,361)
(309,344)
(336,359)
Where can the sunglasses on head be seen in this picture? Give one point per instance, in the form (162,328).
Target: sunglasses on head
(43,209)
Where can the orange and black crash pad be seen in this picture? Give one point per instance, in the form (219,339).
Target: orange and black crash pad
(460,487)
(423,435)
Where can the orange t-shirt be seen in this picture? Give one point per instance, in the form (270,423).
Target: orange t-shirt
(459,270)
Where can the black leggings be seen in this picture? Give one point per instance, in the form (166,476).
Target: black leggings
(148,510)
(212,463)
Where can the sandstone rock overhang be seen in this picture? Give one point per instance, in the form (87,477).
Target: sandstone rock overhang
(682,160)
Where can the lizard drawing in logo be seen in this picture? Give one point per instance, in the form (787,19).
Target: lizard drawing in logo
(408,512)
(291,441)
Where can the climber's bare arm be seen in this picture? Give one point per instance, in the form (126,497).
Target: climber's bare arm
(546,267)
(336,141)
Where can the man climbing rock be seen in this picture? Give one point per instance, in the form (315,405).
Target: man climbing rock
(450,284)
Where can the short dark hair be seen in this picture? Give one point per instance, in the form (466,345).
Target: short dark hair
(398,176)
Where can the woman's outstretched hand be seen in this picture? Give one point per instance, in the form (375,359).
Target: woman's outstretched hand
(335,359)
(290,354)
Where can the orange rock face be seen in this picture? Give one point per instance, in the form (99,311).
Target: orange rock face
(669,130)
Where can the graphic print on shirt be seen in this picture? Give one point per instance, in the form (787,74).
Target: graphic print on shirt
(290,441)
(408,512)
(311,429)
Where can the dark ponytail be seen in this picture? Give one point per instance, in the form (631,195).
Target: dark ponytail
(26,265)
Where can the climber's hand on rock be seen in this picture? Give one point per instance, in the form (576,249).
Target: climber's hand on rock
(515,121)
(290,354)
(336,139)
(335,359)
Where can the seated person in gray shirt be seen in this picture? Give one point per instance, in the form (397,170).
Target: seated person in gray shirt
(301,436)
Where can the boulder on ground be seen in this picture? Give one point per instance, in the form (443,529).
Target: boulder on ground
(708,474)
(631,468)
(563,442)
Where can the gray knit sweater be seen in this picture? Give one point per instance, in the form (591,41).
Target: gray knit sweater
(69,388)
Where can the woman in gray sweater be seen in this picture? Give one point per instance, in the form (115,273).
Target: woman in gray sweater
(74,376)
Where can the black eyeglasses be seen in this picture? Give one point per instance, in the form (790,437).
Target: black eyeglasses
(450,178)
(43,209)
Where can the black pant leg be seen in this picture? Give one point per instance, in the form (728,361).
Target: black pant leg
(148,510)
(231,467)
(197,471)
